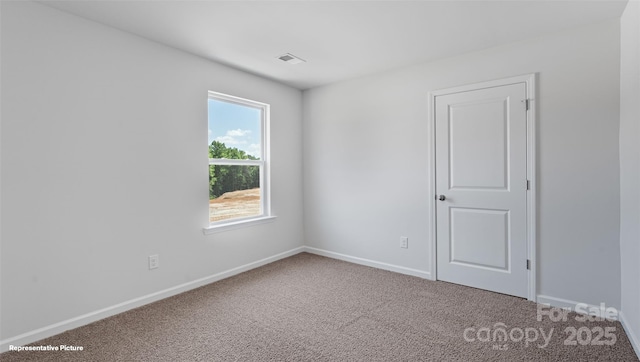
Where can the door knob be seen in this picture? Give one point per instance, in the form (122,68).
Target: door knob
(442,197)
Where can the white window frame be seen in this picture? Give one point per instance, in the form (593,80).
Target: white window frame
(263,163)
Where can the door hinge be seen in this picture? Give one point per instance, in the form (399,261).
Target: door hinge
(528,185)
(526,103)
(528,264)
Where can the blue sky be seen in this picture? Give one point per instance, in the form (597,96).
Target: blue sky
(235,125)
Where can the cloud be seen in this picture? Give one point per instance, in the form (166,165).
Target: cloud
(240,138)
(238,132)
(234,137)
(230,141)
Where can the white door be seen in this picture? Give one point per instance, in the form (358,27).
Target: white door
(481,186)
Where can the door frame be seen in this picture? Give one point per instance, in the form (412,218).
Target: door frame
(531,210)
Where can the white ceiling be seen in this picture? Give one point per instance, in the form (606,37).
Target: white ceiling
(339,39)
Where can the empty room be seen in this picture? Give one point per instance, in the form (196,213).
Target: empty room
(386,180)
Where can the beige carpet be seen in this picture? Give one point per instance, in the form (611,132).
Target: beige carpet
(310,308)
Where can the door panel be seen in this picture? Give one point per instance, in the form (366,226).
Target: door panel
(480,238)
(485,145)
(481,172)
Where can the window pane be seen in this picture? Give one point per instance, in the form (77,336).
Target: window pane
(234,192)
(234,131)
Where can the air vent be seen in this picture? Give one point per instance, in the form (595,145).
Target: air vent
(291,59)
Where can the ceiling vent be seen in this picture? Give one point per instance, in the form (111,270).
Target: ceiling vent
(291,59)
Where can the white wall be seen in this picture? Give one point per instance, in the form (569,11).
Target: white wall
(104,140)
(366,153)
(630,168)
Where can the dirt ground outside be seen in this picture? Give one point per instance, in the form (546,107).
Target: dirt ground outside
(230,205)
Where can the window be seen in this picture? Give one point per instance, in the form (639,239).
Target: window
(238,160)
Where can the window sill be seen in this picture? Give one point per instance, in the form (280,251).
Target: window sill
(213,229)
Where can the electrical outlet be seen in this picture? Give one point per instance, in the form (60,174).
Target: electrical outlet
(154,262)
(404,242)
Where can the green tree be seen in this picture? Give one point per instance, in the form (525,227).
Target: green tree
(225,178)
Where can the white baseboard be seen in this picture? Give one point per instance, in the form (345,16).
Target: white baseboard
(85,319)
(371,263)
(633,338)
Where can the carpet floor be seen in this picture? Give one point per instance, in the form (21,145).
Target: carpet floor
(311,308)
